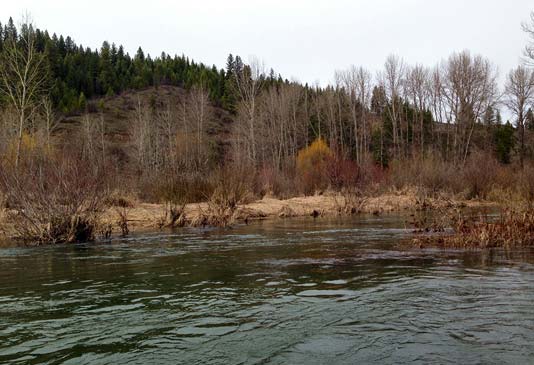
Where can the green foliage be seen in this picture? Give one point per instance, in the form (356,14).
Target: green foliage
(503,137)
(380,148)
(82,102)
(529,120)
(75,70)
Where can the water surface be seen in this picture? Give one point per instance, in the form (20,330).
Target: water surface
(298,291)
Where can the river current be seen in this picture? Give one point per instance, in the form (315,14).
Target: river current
(298,291)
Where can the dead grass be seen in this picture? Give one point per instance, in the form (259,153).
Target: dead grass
(514,227)
(224,212)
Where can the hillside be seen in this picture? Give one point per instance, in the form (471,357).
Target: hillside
(119,112)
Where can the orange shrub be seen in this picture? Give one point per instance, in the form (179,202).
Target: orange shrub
(312,163)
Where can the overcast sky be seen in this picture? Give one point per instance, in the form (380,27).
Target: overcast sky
(303,39)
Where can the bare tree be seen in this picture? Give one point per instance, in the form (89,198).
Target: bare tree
(439,109)
(50,121)
(469,88)
(22,77)
(249,82)
(357,84)
(417,88)
(284,131)
(519,95)
(89,135)
(164,138)
(200,115)
(102,137)
(528,27)
(392,80)
(140,133)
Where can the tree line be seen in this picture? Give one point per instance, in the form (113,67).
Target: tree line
(449,111)
(77,73)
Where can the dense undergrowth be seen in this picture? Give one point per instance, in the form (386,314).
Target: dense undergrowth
(513,227)
(53,200)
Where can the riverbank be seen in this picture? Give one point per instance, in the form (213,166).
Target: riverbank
(510,228)
(145,216)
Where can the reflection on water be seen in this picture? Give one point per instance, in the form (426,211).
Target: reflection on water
(282,292)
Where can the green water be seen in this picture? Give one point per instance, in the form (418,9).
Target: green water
(298,291)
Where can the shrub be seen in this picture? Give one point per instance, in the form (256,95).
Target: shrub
(478,175)
(312,164)
(232,186)
(30,148)
(164,187)
(54,201)
(513,228)
(430,173)
(275,182)
(342,173)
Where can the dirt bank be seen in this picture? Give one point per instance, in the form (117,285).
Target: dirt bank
(145,216)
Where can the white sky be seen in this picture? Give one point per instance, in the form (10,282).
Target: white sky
(303,39)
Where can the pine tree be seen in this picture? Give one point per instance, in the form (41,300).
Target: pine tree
(10,31)
(82,102)
(504,142)
(489,116)
(106,75)
(529,120)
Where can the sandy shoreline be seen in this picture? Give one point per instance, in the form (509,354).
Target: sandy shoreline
(146,217)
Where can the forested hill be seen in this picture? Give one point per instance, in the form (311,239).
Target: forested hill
(450,110)
(78,73)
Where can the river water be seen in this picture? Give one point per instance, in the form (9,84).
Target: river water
(297,291)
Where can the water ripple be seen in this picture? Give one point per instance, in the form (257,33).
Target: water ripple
(310,292)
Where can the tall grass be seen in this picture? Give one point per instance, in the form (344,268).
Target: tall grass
(514,227)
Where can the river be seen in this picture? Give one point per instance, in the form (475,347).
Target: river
(297,291)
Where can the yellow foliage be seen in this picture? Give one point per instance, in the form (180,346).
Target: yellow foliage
(29,146)
(313,157)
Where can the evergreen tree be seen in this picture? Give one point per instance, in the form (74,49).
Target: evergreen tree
(529,120)
(10,31)
(504,142)
(489,117)
(106,75)
(75,70)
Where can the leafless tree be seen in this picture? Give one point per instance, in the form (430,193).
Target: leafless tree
(102,133)
(22,77)
(392,80)
(469,88)
(249,83)
(357,84)
(164,138)
(528,28)
(438,108)
(284,129)
(142,133)
(519,95)
(51,122)
(200,115)
(89,138)
(417,82)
